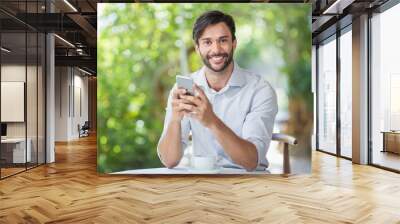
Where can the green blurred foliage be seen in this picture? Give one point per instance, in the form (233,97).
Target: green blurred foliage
(139,54)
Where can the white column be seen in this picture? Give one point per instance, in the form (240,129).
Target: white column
(360,90)
(50,93)
(50,110)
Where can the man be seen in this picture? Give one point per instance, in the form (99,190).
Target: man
(232,113)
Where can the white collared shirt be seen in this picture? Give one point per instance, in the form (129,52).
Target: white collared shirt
(247,105)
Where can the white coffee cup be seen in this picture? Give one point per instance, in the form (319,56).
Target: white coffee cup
(203,162)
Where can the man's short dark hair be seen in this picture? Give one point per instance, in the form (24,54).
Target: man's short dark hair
(211,18)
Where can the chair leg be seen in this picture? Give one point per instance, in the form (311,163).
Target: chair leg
(286,161)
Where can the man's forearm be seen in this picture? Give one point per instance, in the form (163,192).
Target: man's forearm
(170,145)
(241,151)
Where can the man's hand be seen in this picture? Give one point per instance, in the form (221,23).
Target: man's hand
(179,104)
(169,147)
(199,107)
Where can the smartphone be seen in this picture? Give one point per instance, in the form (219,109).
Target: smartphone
(185,83)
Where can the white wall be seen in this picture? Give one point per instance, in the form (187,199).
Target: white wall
(71,93)
(12,73)
(61,103)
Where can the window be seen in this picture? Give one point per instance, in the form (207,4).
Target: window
(327,96)
(346,93)
(385,88)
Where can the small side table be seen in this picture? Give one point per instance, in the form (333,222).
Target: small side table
(391,141)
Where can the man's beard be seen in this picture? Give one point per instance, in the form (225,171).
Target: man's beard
(227,60)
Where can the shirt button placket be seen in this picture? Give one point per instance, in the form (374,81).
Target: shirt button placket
(212,101)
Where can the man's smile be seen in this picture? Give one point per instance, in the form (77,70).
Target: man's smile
(217,59)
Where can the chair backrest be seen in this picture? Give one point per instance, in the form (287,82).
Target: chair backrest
(86,125)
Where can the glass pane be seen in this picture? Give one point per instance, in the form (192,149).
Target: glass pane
(32,82)
(31,97)
(22,67)
(386,89)
(41,99)
(327,97)
(13,86)
(346,94)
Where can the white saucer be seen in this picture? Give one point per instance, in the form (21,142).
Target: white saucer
(197,171)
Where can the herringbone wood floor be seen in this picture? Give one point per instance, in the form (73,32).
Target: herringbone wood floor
(70,191)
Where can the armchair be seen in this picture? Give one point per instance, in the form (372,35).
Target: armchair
(286,140)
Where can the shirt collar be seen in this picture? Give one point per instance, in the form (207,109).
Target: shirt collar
(237,78)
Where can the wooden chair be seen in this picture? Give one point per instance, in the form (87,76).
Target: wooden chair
(286,140)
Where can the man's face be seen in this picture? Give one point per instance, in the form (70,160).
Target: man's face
(216,47)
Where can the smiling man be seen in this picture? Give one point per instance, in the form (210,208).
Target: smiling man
(232,113)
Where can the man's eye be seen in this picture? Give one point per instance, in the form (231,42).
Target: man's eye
(207,42)
(224,40)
